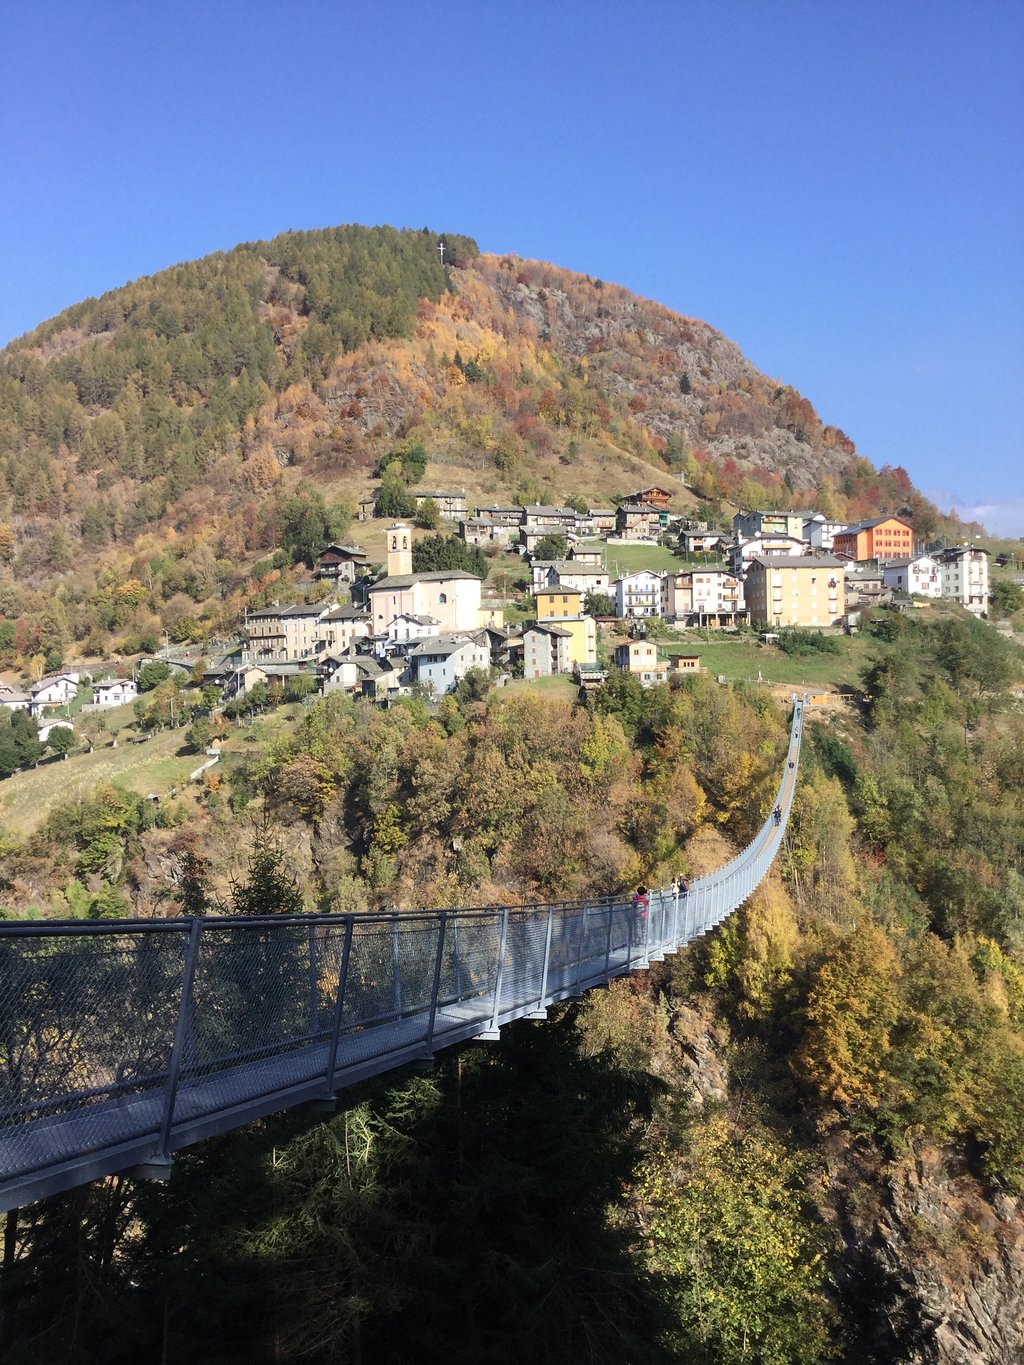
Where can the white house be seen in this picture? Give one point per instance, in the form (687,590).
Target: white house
(965,577)
(920,575)
(568,573)
(340,627)
(819,532)
(703,594)
(551,518)
(339,672)
(640,658)
(114,691)
(744,551)
(638,594)
(407,627)
(586,554)
(54,690)
(13,698)
(439,662)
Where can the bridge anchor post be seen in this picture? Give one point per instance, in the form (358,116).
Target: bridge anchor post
(493,1033)
(157,1168)
(323,1104)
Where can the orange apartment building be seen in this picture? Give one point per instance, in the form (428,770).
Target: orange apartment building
(884,538)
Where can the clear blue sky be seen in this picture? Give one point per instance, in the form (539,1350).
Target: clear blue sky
(839,187)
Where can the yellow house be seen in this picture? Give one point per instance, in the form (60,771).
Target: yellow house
(554,604)
(563,607)
(796,590)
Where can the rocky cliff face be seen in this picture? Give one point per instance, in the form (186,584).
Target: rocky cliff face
(676,374)
(938,1261)
(930,1264)
(674,377)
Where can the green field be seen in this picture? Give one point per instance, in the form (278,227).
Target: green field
(27,797)
(156,765)
(622,559)
(560,686)
(742,659)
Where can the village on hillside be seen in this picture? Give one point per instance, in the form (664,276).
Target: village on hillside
(383,632)
(407,630)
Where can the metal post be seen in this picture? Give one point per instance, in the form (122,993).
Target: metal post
(396,968)
(493,1032)
(579,947)
(608,942)
(437,983)
(656,912)
(162,1161)
(458,957)
(541,1011)
(314,1003)
(339,1007)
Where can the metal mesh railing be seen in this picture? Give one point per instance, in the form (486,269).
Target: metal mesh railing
(123,1041)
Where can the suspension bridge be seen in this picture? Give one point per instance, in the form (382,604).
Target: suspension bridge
(123,1041)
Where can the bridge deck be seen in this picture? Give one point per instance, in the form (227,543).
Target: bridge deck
(122,1042)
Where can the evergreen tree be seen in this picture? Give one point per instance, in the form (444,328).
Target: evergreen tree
(434,553)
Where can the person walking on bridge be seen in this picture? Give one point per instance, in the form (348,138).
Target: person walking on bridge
(641,910)
(681,891)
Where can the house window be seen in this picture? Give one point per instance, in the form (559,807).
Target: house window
(442,597)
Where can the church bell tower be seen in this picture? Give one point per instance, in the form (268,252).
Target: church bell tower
(399,549)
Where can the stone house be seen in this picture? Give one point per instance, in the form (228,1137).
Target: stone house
(547,650)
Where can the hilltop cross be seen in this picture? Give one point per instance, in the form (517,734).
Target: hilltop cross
(440,247)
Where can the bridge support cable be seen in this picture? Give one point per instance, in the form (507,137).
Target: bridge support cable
(123,1041)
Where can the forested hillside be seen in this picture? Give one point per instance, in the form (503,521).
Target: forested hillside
(802,1140)
(158,445)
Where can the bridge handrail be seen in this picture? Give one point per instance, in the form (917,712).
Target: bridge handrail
(122,1041)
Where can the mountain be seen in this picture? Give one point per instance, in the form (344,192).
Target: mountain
(155,436)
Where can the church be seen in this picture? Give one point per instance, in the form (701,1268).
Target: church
(451,596)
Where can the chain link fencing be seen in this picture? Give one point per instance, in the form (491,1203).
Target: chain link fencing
(122,1041)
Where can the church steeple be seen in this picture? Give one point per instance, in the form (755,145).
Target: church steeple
(399,549)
